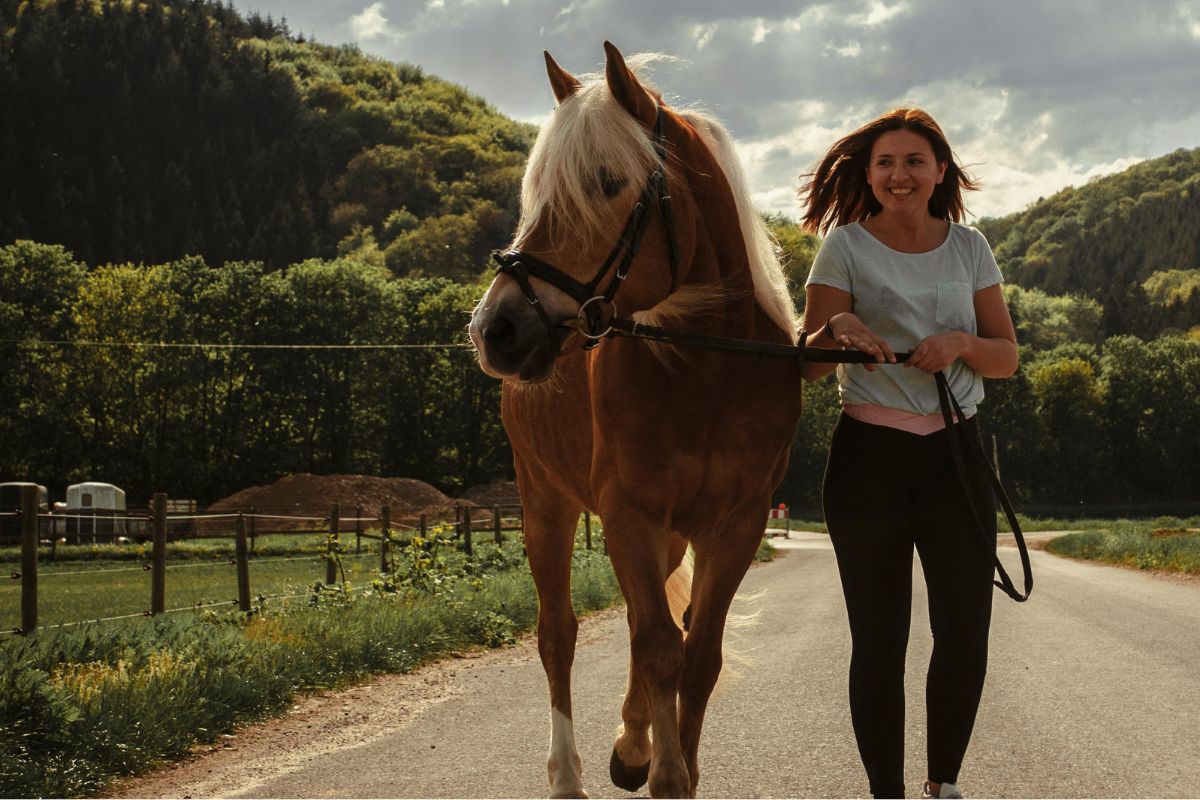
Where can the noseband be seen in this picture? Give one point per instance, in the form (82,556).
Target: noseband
(593,323)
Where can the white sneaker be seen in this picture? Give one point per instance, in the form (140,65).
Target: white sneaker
(947,790)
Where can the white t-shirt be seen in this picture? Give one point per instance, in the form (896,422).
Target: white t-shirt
(904,298)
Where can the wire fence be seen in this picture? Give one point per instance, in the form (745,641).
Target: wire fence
(236,345)
(275,577)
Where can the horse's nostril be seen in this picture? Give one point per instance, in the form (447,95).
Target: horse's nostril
(500,331)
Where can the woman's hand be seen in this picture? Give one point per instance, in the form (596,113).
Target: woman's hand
(937,352)
(850,332)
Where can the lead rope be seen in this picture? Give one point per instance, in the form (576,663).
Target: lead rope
(949,407)
(949,403)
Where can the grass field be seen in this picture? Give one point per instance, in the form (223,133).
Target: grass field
(88,585)
(92,582)
(77,591)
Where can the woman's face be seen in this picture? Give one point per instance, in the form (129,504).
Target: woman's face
(903,171)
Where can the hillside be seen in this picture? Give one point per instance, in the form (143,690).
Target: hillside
(148,131)
(1109,238)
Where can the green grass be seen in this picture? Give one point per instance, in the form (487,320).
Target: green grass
(797,525)
(90,582)
(1035,524)
(766,551)
(1134,543)
(72,592)
(1127,542)
(80,706)
(1031,524)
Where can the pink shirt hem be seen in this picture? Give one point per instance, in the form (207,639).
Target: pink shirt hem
(920,424)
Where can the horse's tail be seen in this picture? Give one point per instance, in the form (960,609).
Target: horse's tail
(737,657)
(679,597)
(679,589)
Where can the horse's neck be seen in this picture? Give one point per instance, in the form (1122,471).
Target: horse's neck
(722,257)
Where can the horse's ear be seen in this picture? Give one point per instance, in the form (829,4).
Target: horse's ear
(625,87)
(562,82)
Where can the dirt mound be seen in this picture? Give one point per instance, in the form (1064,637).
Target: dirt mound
(500,493)
(306,495)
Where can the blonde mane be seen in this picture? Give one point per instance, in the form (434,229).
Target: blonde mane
(766,270)
(588,133)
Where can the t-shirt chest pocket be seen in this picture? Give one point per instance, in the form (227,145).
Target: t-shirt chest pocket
(955,305)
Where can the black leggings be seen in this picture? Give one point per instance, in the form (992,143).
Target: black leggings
(885,491)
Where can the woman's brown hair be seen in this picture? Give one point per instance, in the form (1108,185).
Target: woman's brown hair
(838,192)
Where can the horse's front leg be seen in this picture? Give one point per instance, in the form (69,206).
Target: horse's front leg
(722,558)
(549,539)
(629,766)
(640,557)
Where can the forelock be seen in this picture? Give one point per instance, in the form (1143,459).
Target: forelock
(588,133)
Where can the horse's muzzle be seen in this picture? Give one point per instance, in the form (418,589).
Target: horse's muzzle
(513,342)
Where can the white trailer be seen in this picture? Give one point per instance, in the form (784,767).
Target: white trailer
(90,509)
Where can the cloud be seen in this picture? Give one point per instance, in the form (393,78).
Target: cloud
(1034,93)
(370,23)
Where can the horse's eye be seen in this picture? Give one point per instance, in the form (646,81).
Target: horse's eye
(611,185)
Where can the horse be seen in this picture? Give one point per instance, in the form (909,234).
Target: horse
(671,449)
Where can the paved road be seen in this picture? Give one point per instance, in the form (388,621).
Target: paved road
(1093,691)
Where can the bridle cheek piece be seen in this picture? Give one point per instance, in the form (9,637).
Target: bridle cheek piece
(597,309)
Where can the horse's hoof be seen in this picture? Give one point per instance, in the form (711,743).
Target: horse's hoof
(625,777)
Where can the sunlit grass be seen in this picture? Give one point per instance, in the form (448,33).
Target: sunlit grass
(1166,543)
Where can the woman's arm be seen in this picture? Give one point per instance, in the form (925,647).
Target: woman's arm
(992,352)
(828,305)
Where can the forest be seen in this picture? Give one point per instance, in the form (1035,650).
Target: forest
(174,173)
(145,131)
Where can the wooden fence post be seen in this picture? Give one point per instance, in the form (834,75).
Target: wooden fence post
(587,528)
(496,524)
(357,530)
(253,514)
(385,538)
(466,531)
(29,565)
(331,547)
(158,561)
(424,526)
(243,565)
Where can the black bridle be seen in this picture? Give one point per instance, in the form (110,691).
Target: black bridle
(520,266)
(591,323)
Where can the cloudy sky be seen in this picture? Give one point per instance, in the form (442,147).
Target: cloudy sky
(1034,95)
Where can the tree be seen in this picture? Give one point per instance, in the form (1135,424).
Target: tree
(1043,321)
(1068,400)
(1152,410)
(38,284)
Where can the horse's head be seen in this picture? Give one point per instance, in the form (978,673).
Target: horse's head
(592,221)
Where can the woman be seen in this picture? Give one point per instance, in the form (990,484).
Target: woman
(897,272)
